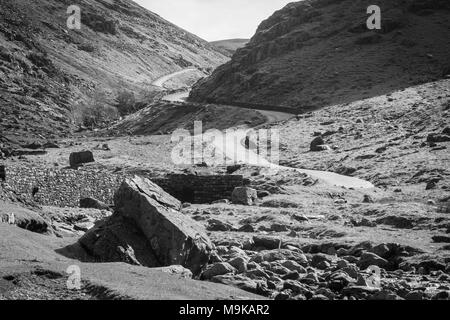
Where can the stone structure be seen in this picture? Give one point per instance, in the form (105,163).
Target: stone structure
(65,187)
(78,158)
(62,187)
(200,189)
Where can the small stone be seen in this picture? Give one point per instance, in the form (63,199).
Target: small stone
(246,228)
(217,269)
(371,259)
(318,259)
(341,264)
(267,242)
(415,295)
(310,278)
(239,263)
(293,275)
(293,266)
(284,295)
(218,225)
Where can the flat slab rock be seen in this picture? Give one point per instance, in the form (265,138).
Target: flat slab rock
(148,229)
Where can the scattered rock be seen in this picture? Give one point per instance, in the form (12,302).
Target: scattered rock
(318,260)
(247,228)
(267,242)
(239,263)
(238,281)
(217,225)
(371,259)
(294,266)
(415,295)
(364,222)
(278,227)
(217,269)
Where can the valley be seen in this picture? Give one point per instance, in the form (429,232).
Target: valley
(351,202)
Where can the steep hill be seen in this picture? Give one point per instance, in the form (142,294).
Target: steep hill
(320,52)
(230,46)
(50,75)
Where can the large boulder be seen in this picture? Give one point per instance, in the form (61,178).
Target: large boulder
(91,203)
(147,228)
(244,195)
(77,159)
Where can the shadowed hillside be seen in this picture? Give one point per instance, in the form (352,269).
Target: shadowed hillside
(319,52)
(51,77)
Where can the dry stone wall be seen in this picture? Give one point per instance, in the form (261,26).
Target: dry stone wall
(200,189)
(65,187)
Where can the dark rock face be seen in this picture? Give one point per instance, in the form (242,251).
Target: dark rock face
(134,33)
(316,144)
(288,63)
(436,138)
(2,173)
(78,158)
(148,229)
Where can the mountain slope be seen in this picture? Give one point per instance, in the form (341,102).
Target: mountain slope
(229,46)
(319,52)
(49,74)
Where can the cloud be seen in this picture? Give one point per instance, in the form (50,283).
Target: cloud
(215,19)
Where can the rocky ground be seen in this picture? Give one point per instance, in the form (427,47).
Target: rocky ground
(303,238)
(285,235)
(53,79)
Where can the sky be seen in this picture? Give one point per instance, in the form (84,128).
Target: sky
(216,19)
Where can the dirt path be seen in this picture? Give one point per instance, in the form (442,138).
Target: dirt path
(160,81)
(177,97)
(233,148)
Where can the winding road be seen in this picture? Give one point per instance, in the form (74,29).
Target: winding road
(160,81)
(177,96)
(230,144)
